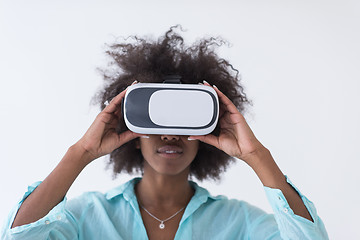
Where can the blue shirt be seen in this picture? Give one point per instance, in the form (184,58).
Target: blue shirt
(116,215)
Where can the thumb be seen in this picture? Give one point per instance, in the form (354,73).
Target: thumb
(127,136)
(209,139)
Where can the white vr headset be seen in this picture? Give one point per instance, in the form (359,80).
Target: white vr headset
(174,109)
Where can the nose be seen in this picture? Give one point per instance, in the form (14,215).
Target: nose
(170,138)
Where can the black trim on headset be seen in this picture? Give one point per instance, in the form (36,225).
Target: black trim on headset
(176,79)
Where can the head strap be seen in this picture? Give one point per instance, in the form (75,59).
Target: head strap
(172,79)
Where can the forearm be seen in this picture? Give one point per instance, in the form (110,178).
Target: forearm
(54,188)
(271,176)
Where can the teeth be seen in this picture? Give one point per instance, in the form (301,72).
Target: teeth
(170,151)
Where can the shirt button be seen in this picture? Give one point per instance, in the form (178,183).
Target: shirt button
(47,222)
(58,217)
(285,210)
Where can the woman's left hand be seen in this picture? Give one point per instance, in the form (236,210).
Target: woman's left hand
(235,138)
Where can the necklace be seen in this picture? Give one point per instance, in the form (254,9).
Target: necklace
(162,225)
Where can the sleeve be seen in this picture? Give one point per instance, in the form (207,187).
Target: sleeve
(290,225)
(57,224)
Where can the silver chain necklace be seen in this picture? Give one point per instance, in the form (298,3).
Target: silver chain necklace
(162,225)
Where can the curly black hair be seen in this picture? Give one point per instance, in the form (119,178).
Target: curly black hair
(147,60)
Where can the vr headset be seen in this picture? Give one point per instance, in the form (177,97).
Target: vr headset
(172,109)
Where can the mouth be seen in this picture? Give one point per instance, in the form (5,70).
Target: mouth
(170,151)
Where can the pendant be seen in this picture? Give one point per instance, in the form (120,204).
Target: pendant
(162,225)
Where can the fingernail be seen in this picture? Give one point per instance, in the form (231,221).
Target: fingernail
(144,136)
(134,82)
(106,103)
(191,139)
(215,87)
(205,82)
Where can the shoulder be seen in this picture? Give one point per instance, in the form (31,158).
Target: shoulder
(96,201)
(229,216)
(88,198)
(219,201)
(87,202)
(221,205)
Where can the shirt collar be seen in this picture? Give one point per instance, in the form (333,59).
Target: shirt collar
(201,196)
(127,190)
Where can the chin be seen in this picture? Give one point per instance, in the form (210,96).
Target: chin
(171,170)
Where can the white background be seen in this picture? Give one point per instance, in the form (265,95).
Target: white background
(299,62)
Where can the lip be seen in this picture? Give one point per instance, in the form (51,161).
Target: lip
(169,151)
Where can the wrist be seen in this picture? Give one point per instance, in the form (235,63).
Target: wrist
(266,169)
(261,161)
(80,154)
(259,155)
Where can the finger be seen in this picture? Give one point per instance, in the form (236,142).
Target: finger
(227,105)
(209,139)
(222,110)
(127,136)
(115,103)
(206,83)
(226,101)
(223,99)
(222,106)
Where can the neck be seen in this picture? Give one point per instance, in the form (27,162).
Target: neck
(164,191)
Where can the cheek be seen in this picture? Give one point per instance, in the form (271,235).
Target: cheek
(146,148)
(193,148)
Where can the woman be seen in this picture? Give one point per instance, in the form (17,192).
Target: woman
(164,204)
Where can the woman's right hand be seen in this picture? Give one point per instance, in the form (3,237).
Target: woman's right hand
(101,138)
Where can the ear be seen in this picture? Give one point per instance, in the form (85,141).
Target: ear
(137,143)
